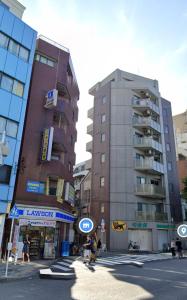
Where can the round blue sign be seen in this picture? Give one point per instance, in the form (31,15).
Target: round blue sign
(86,225)
(182,230)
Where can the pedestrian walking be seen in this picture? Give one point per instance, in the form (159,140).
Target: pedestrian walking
(99,246)
(25,250)
(87,250)
(173,249)
(178,244)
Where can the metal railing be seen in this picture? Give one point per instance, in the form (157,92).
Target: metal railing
(147,142)
(149,164)
(147,103)
(150,190)
(146,121)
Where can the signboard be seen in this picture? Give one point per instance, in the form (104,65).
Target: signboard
(47,144)
(182,230)
(102,225)
(35,187)
(119,226)
(60,189)
(165,226)
(51,98)
(40,223)
(139,225)
(86,225)
(70,193)
(14,213)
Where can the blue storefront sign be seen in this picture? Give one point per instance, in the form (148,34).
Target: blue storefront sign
(35,187)
(14,213)
(86,225)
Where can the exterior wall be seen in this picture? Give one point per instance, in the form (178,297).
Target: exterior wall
(12,106)
(15,7)
(120,173)
(173,179)
(182,170)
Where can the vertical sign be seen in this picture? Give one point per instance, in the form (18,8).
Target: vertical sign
(47,144)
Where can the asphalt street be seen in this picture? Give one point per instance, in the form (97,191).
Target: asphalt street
(161,280)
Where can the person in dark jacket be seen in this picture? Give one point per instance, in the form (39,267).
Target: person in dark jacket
(178,244)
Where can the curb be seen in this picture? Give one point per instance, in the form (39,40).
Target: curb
(48,274)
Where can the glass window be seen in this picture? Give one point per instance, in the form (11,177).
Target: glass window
(104,99)
(102,181)
(50,63)
(102,157)
(24,53)
(52,186)
(168,147)
(43,59)
(103,137)
(140,206)
(11,128)
(166,129)
(3,40)
(5,172)
(140,180)
(102,208)
(6,83)
(13,47)
(2,124)
(37,57)
(169,166)
(103,118)
(69,167)
(18,88)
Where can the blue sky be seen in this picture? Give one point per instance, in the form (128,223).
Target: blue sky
(145,37)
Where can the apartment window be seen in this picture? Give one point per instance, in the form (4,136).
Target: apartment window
(23,53)
(3,40)
(140,180)
(166,129)
(102,208)
(102,158)
(102,181)
(168,147)
(17,88)
(44,60)
(140,206)
(103,118)
(169,166)
(104,99)
(103,137)
(13,47)
(6,83)
(69,167)
(5,172)
(10,127)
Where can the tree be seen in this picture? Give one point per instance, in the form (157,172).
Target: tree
(184,191)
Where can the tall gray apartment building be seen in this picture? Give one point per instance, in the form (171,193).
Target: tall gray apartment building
(135,189)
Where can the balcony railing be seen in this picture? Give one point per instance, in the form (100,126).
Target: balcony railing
(145,122)
(90,113)
(144,104)
(89,147)
(146,143)
(150,190)
(149,165)
(90,129)
(151,216)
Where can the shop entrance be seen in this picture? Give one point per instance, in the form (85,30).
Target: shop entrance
(42,244)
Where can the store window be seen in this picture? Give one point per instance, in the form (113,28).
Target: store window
(5,172)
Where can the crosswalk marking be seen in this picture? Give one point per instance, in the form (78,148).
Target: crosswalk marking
(65,264)
(60,267)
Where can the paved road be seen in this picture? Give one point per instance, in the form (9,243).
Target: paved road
(160,280)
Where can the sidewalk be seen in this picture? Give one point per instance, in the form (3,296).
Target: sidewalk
(22,270)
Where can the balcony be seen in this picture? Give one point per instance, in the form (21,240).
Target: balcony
(144,105)
(150,190)
(90,129)
(146,143)
(90,113)
(149,165)
(145,122)
(59,140)
(154,217)
(64,107)
(89,147)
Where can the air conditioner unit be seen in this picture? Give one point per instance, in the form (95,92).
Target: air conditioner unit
(148,112)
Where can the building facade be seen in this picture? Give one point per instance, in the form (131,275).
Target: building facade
(44,191)
(135,191)
(17,45)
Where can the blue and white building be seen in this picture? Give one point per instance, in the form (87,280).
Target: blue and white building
(17,46)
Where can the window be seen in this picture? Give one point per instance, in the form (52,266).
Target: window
(140,206)
(52,186)
(13,47)
(103,118)
(164,112)
(104,99)
(103,137)
(2,124)
(71,140)
(23,53)
(17,88)
(37,57)
(140,180)
(5,172)
(6,83)
(166,129)
(102,181)
(11,128)
(171,188)
(50,63)
(69,167)
(168,147)
(44,60)
(102,158)
(169,166)
(3,40)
